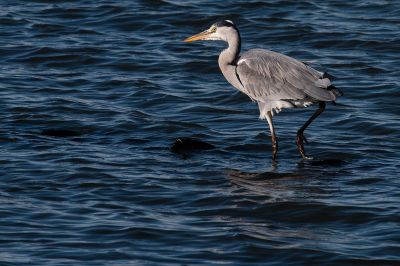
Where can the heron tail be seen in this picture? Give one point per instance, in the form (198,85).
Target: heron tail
(338,92)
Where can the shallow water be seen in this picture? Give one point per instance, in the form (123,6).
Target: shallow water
(94,94)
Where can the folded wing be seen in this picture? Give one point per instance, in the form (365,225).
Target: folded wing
(267,75)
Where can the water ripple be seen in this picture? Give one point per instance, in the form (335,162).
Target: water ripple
(95,94)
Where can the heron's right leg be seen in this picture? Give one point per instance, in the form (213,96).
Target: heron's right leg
(300,136)
(273,136)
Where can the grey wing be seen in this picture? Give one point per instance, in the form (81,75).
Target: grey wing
(267,75)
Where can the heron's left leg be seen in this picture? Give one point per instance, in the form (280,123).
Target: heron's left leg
(300,137)
(273,136)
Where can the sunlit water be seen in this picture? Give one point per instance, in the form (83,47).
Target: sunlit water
(116,78)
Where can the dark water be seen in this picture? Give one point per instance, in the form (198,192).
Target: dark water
(94,93)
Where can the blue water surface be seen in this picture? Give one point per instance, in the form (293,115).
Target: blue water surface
(94,93)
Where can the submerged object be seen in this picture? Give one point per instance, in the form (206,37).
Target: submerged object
(60,133)
(184,146)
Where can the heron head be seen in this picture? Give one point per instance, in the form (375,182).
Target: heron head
(219,31)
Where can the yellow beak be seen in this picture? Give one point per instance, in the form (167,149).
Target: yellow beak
(200,36)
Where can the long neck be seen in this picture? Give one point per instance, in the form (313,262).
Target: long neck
(230,54)
(228,58)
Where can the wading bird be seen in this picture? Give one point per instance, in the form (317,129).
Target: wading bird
(273,80)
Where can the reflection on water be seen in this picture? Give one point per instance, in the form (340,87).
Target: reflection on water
(276,186)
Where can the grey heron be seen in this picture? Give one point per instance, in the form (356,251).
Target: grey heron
(273,80)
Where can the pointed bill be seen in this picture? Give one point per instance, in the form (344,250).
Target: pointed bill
(200,36)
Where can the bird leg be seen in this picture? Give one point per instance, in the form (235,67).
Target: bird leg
(273,136)
(300,137)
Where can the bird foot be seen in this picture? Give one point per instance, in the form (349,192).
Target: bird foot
(300,146)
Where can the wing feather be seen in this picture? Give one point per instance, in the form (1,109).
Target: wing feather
(267,75)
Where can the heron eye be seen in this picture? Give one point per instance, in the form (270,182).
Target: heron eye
(213,29)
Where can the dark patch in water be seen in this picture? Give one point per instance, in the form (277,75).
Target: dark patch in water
(364,181)
(60,133)
(184,146)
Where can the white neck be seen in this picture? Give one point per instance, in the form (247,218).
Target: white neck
(228,58)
